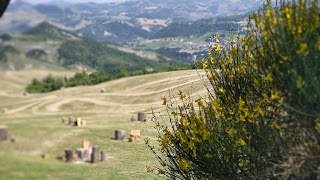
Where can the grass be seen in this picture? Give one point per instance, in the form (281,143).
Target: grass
(34,121)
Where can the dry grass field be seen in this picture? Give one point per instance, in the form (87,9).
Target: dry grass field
(34,121)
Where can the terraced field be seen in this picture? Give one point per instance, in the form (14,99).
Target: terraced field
(34,121)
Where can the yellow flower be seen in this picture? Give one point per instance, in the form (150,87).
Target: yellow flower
(258,110)
(268,77)
(204,64)
(303,48)
(218,48)
(275,125)
(184,164)
(200,102)
(275,22)
(240,103)
(230,131)
(150,169)
(164,101)
(221,90)
(242,118)
(274,95)
(241,142)
(182,96)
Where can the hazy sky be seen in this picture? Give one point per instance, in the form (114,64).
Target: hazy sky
(74,1)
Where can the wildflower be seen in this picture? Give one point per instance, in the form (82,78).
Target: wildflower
(241,142)
(242,118)
(303,48)
(275,125)
(268,77)
(150,169)
(240,103)
(184,164)
(275,22)
(230,131)
(164,101)
(218,48)
(200,102)
(221,90)
(182,96)
(204,64)
(274,95)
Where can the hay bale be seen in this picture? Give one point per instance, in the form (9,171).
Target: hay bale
(142,117)
(135,133)
(120,134)
(102,90)
(103,156)
(86,144)
(78,122)
(95,155)
(70,121)
(3,133)
(87,154)
(80,153)
(69,155)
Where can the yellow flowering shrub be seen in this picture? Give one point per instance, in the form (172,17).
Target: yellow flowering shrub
(262,106)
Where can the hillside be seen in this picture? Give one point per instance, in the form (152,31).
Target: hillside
(119,22)
(35,123)
(46,46)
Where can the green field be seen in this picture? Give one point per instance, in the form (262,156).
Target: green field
(34,121)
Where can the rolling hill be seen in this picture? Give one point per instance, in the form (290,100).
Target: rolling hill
(34,121)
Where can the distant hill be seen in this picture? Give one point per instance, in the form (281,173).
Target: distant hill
(49,31)
(47,46)
(121,22)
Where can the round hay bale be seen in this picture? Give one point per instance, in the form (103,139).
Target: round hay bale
(95,156)
(142,116)
(68,155)
(103,156)
(120,134)
(3,133)
(102,90)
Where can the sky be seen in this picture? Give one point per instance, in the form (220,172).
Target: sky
(73,1)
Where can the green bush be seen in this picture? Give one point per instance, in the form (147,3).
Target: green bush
(48,84)
(260,118)
(51,83)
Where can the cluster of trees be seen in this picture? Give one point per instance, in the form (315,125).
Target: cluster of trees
(260,118)
(51,83)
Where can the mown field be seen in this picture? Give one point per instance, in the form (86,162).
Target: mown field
(34,121)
